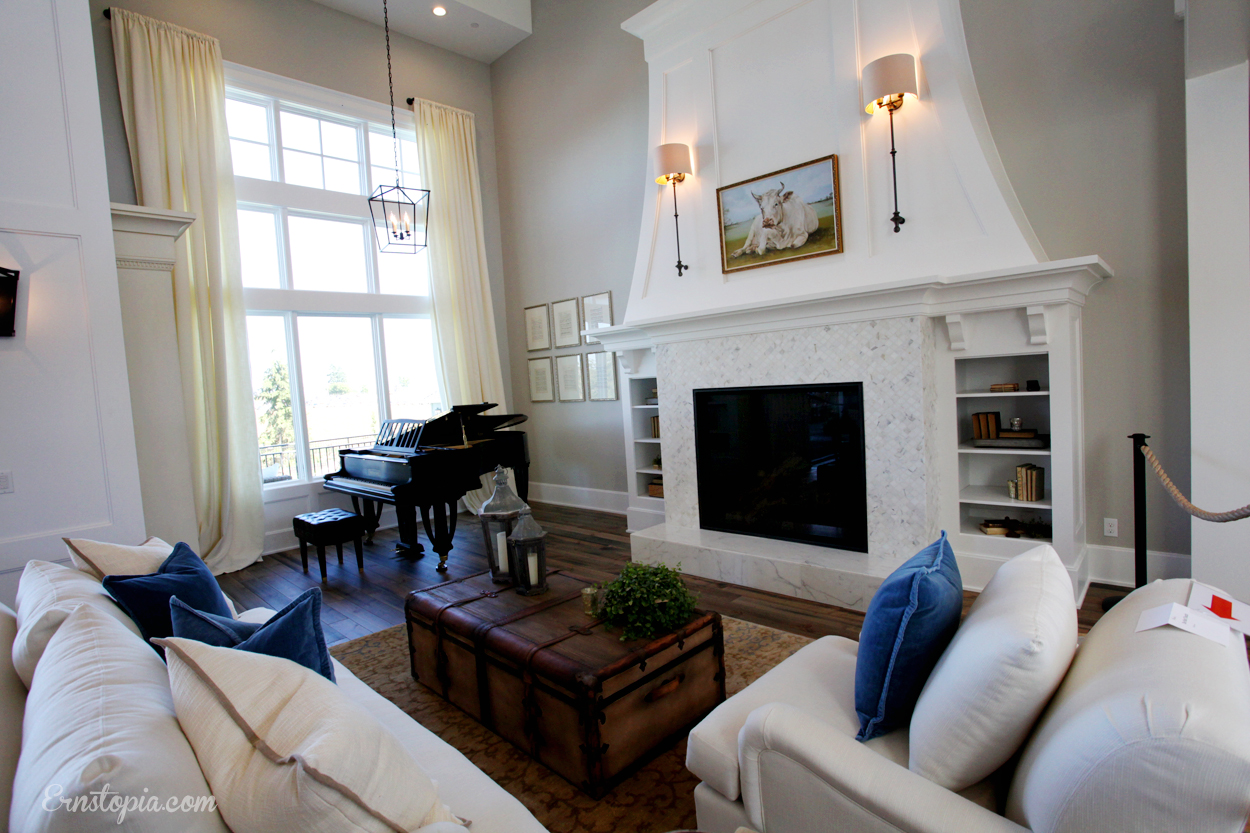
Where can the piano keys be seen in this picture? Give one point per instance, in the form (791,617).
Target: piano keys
(427,466)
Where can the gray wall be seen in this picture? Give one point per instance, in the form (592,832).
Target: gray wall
(318,45)
(1086,101)
(571,113)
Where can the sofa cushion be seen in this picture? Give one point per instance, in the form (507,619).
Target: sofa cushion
(284,749)
(12,706)
(46,595)
(910,619)
(102,558)
(1148,731)
(293,633)
(819,678)
(998,672)
(146,597)
(466,790)
(100,713)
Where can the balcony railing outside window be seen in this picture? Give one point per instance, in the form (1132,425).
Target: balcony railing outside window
(278,462)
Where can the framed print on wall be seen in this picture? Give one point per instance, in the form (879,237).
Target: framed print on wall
(791,214)
(601,377)
(566,323)
(541,387)
(596,313)
(537,328)
(569,385)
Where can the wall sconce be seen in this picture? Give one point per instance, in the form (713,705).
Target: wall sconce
(672,163)
(8,302)
(886,81)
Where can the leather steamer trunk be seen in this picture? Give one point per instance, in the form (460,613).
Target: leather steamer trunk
(559,685)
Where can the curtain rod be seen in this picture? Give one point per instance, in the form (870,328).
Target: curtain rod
(108,14)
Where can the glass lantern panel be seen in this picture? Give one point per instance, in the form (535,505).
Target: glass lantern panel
(497,533)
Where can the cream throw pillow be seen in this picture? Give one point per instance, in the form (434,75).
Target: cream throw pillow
(998,672)
(284,749)
(100,713)
(100,558)
(46,595)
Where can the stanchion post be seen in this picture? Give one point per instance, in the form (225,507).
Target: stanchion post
(1139,508)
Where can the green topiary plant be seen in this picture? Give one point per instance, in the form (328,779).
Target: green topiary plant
(647,600)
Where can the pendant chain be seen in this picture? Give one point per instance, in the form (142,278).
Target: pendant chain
(390,84)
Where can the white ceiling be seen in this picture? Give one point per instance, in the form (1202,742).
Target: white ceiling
(480,29)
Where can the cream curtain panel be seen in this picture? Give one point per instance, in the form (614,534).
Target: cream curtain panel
(464,318)
(173,101)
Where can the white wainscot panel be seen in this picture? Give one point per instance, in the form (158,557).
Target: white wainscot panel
(50,396)
(775,111)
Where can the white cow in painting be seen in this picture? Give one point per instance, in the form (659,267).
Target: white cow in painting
(785,222)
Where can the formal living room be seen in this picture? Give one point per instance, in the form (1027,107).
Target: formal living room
(625,416)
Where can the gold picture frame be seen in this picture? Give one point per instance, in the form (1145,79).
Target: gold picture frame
(766,220)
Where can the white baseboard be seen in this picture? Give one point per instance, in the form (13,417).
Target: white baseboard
(1114,565)
(601,500)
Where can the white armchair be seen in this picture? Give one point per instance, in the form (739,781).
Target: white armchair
(1148,731)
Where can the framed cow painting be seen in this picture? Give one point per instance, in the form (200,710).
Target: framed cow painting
(791,214)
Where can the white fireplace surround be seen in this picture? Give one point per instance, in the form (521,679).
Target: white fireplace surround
(900,341)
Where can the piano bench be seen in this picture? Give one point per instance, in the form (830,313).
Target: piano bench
(329,526)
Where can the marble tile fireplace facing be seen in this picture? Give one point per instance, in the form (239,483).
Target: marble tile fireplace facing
(893,358)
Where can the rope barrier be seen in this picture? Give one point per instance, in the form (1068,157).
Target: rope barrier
(1183,502)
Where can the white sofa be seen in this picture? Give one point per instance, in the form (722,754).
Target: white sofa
(1148,731)
(468,791)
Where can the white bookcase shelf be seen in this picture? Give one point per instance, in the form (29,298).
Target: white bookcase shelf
(641,448)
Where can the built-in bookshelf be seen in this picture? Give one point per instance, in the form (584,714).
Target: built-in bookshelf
(643,446)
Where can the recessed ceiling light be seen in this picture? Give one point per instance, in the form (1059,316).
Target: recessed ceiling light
(439,11)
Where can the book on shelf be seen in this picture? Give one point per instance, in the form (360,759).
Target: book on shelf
(1022,434)
(1005,387)
(1040,441)
(985,425)
(655,427)
(1030,482)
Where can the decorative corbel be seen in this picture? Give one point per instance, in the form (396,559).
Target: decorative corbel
(955,332)
(1037,324)
(631,360)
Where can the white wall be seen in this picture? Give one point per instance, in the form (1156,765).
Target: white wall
(64,399)
(571,118)
(1217,122)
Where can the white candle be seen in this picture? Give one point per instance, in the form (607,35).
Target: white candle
(533,567)
(501,550)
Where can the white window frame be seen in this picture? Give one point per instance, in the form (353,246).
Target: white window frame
(285,200)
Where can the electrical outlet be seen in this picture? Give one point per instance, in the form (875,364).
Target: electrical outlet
(6,482)
(1110,528)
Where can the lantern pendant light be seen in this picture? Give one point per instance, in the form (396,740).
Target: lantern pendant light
(400,215)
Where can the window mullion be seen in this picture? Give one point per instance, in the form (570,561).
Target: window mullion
(275,126)
(288,279)
(299,410)
(380,368)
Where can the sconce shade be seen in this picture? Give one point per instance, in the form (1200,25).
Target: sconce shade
(887,76)
(673,158)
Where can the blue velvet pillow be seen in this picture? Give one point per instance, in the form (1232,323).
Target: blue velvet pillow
(146,598)
(293,633)
(910,620)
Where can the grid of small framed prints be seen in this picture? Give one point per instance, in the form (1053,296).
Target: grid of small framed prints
(570,377)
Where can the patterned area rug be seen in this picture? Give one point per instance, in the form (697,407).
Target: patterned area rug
(657,798)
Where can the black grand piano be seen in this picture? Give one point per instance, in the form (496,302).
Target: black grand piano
(429,464)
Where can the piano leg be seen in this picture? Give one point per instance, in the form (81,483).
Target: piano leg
(442,530)
(408,543)
(372,511)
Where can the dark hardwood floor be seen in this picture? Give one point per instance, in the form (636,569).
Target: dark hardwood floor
(591,544)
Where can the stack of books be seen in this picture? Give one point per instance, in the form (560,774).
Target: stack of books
(1005,387)
(655,427)
(1030,483)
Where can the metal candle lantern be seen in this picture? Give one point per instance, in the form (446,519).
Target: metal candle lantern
(499,516)
(527,553)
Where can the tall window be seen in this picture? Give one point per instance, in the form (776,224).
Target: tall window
(339,334)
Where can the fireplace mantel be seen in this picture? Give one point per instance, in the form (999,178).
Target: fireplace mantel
(1054,282)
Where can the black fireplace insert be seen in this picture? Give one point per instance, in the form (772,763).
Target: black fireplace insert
(784,461)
